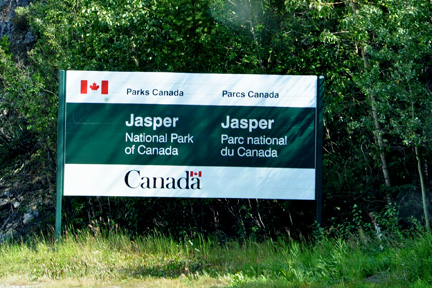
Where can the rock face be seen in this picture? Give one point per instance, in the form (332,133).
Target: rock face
(25,209)
(21,204)
(17,35)
(6,14)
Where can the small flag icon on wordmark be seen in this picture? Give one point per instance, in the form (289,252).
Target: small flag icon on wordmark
(192,173)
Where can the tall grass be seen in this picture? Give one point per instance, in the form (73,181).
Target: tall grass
(273,263)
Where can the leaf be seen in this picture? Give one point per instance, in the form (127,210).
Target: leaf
(94,87)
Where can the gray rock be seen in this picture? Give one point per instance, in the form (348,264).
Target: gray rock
(7,12)
(9,235)
(3,202)
(5,28)
(29,38)
(28,217)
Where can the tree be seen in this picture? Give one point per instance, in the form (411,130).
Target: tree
(395,43)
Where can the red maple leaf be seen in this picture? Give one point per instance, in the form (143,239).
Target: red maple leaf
(94,87)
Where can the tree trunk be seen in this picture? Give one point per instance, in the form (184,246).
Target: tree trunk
(420,172)
(379,139)
(378,132)
(423,189)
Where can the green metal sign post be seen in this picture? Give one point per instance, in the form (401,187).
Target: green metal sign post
(318,149)
(60,151)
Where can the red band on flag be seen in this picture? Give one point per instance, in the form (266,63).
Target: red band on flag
(84,86)
(104,87)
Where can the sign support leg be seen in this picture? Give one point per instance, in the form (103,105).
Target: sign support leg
(60,152)
(319,143)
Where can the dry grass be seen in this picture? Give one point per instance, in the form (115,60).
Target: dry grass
(201,282)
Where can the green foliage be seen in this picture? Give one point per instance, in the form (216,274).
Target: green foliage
(398,44)
(330,38)
(23,112)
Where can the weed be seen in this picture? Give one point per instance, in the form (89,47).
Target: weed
(114,257)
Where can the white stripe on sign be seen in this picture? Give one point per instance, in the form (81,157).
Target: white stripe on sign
(184,181)
(191,89)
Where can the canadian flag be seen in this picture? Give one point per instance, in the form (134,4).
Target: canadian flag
(94,87)
(194,173)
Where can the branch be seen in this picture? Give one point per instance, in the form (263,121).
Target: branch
(330,4)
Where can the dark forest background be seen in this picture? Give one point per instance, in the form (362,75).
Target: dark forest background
(375,56)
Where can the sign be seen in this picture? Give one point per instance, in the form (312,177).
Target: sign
(148,134)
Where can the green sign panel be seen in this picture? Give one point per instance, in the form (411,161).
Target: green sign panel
(194,135)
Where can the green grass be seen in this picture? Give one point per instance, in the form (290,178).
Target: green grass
(85,260)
